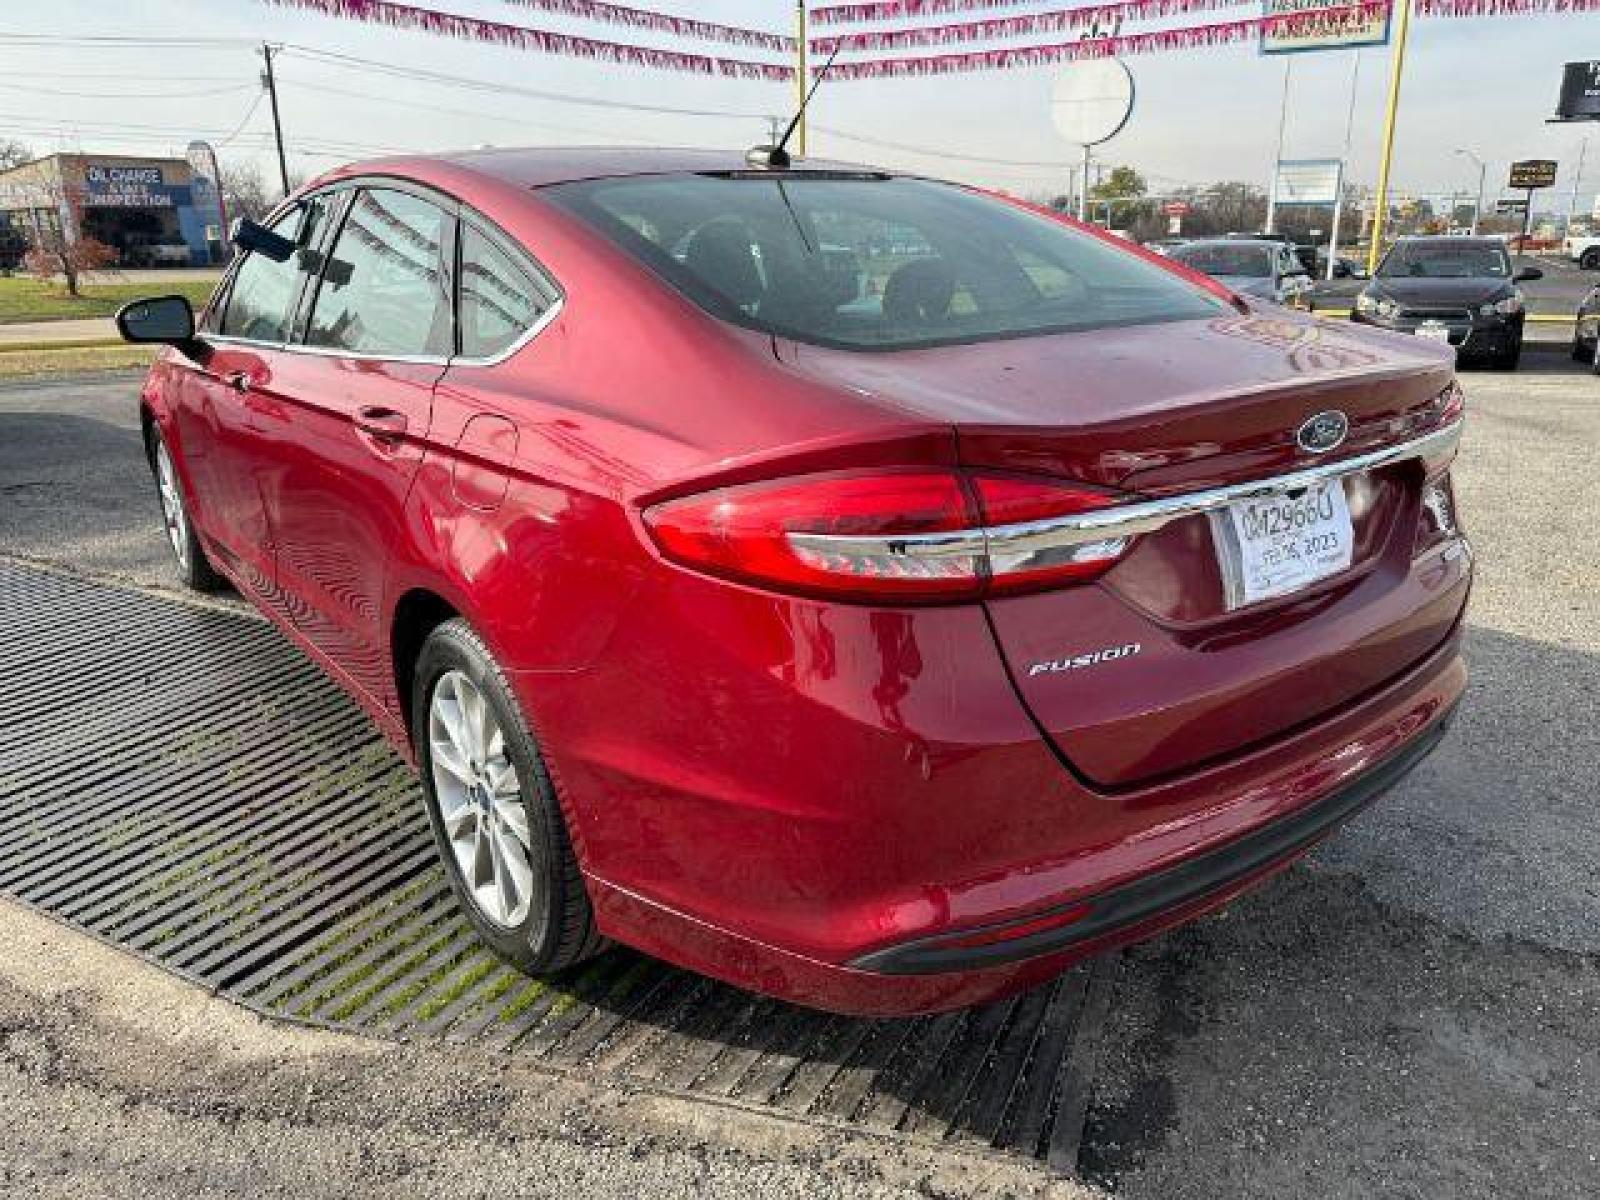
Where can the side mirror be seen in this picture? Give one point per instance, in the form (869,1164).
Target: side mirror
(1527,275)
(162,319)
(247,235)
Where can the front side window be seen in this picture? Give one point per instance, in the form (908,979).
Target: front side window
(500,298)
(385,289)
(868,263)
(260,304)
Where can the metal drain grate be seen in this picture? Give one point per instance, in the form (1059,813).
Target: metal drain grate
(178,780)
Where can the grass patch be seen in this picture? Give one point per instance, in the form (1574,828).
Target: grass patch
(55,360)
(25,299)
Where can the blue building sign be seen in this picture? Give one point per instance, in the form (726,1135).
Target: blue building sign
(131,187)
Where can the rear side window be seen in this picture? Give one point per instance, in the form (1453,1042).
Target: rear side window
(501,299)
(385,290)
(261,302)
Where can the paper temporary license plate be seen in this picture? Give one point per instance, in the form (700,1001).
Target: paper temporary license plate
(1437,330)
(1276,544)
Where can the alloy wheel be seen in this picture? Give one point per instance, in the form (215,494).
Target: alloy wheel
(480,803)
(172,510)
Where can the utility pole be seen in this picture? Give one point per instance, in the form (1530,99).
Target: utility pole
(1572,196)
(277,126)
(801,73)
(1477,212)
(1283,121)
(1083,192)
(1397,66)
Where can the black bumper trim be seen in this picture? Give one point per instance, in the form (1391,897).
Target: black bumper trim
(1151,895)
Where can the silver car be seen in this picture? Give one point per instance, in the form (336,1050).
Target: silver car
(1265,270)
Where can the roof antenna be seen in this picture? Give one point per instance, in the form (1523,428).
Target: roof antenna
(777,157)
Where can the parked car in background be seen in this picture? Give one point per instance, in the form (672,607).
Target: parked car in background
(1166,245)
(1304,251)
(1265,270)
(1583,249)
(1460,291)
(884,651)
(1586,334)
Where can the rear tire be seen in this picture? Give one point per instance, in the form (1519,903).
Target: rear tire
(194,568)
(1594,363)
(496,821)
(1591,259)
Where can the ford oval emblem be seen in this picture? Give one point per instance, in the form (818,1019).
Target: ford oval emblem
(1324,432)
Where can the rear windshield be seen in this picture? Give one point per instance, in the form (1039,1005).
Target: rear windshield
(875,264)
(1226,258)
(1445,260)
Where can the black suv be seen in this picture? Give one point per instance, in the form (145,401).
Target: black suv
(1461,290)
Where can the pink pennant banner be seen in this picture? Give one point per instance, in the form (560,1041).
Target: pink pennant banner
(1303,24)
(521,37)
(1502,8)
(1059,20)
(655,22)
(902,10)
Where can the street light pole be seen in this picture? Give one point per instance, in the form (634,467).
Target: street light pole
(1577,178)
(1477,212)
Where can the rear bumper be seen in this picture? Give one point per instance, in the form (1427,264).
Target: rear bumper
(1044,913)
(1175,888)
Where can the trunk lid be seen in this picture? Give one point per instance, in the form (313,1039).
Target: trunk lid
(1168,410)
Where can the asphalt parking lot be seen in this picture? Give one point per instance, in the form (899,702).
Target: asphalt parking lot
(1415,1011)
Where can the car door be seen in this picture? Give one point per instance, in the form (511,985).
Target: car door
(356,397)
(241,351)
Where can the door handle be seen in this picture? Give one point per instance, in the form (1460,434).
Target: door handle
(383,423)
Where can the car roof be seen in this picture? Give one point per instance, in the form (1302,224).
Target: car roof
(1261,243)
(542,166)
(1439,239)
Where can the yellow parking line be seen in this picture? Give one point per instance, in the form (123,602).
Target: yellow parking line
(1541,318)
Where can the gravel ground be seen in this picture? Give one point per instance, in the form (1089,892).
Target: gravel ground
(1415,1011)
(119,1080)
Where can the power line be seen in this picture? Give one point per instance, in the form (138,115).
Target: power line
(138,75)
(34,90)
(367,64)
(111,41)
(479,114)
(244,120)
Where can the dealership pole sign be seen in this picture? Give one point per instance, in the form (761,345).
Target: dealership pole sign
(1297,26)
(1580,92)
(1529,175)
(1532,173)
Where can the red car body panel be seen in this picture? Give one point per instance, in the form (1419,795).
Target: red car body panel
(771,789)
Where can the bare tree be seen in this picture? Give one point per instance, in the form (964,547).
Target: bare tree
(247,192)
(13,154)
(57,245)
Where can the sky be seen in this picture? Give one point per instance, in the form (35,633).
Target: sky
(1486,85)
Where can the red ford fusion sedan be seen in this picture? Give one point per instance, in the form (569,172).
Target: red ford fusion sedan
(863,589)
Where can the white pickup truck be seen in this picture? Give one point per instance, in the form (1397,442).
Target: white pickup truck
(1584,249)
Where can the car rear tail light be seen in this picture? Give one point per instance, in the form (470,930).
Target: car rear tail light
(908,535)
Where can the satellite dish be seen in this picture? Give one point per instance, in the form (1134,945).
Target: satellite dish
(1092,100)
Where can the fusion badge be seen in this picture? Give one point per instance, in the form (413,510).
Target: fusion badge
(1079,661)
